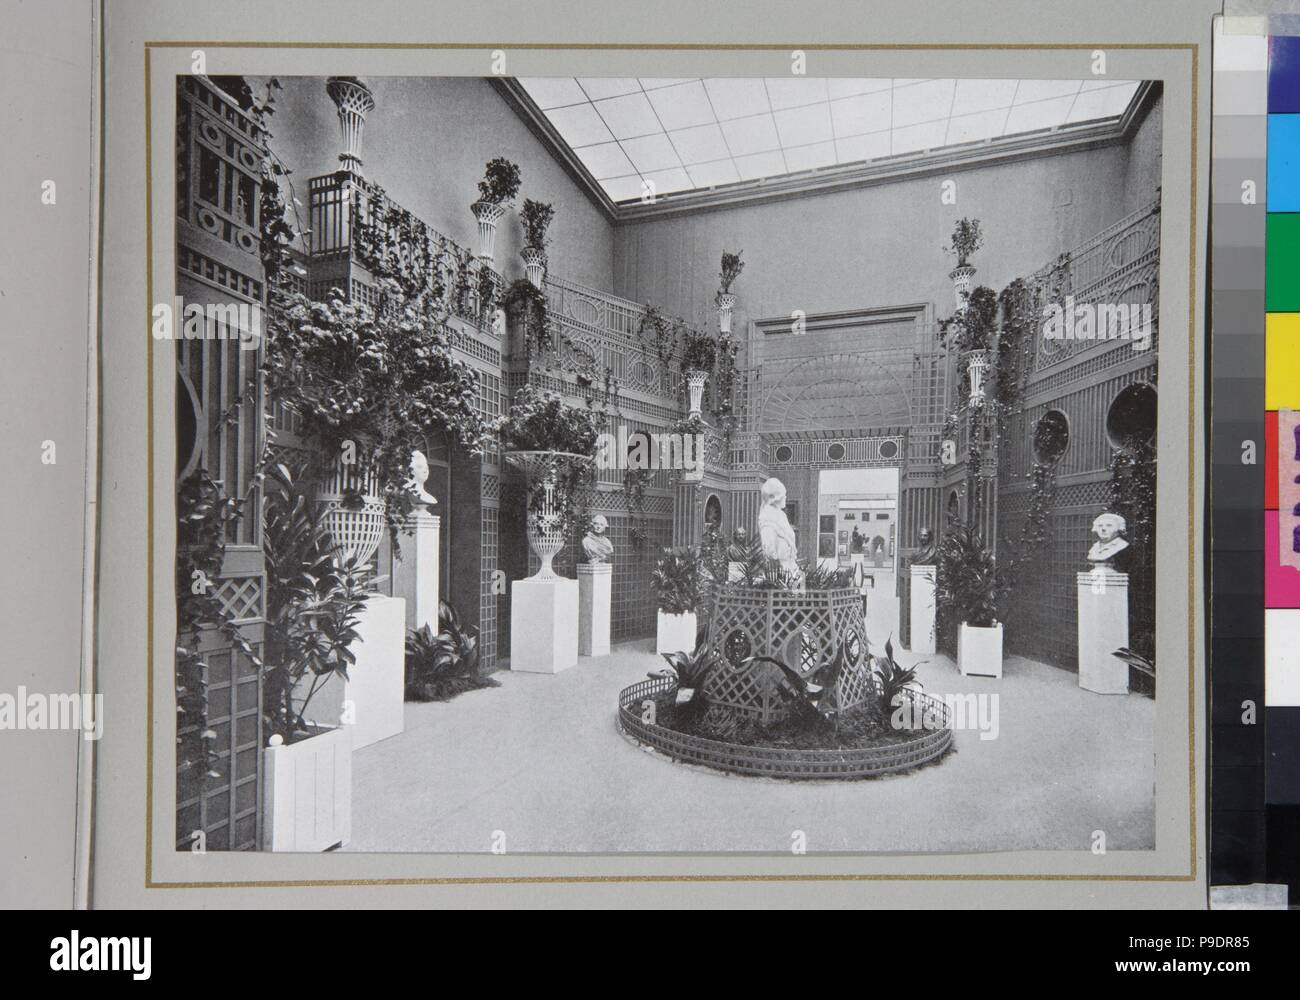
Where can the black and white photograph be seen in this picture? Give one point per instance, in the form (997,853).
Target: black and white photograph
(595,464)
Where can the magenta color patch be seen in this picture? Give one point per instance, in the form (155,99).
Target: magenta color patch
(1281,583)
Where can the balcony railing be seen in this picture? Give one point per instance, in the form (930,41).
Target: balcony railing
(350,217)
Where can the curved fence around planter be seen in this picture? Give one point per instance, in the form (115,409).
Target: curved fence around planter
(776,762)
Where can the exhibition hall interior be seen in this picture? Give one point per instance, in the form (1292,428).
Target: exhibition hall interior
(784,447)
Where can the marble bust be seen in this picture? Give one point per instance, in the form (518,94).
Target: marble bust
(596,544)
(1109,551)
(925,554)
(419,470)
(774,531)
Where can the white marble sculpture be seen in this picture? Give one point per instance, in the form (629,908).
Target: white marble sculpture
(774,531)
(1108,550)
(419,469)
(596,544)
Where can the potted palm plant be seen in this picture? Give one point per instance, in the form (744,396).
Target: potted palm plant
(966,239)
(536,217)
(314,599)
(732,265)
(970,590)
(496,191)
(676,583)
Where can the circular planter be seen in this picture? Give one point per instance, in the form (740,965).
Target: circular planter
(356,530)
(534,264)
(726,302)
(774,762)
(545,525)
(488,213)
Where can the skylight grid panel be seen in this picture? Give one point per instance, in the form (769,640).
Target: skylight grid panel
(751,135)
(861,114)
(701,144)
(737,97)
(629,116)
(682,106)
(580,125)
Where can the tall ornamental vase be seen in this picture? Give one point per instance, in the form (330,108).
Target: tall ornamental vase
(488,213)
(545,520)
(963,275)
(726,302)
(544,608)
(534,264)
(977,364)
(695,389)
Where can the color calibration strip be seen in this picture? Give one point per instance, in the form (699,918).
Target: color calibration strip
(1282,400)
(1255,285)
(1239,178)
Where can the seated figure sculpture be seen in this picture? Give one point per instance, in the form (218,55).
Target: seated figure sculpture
(774,531)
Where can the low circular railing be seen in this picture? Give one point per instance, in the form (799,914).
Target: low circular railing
(775,762)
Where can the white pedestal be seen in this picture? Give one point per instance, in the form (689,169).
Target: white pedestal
(370,702)
(1103,628)
(595,581)
(543,625)
(415,570)
(675,633)
(921,610)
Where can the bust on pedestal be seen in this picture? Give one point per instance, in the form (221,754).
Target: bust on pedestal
(416,558)
(736,555)
(922,578)
(595,577)
(1103,609)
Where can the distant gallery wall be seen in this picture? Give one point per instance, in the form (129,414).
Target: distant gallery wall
(881,244)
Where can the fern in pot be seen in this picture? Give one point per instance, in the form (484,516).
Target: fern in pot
(971,589)
(676,584)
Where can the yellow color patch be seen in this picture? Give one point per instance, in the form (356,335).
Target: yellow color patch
(1282,361)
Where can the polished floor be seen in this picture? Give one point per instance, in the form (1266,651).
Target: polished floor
(540,761)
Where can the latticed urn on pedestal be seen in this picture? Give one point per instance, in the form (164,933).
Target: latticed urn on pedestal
(544,471)
(355,527)
(488,214)
(534,265)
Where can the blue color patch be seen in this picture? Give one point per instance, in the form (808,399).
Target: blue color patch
(1284,163)
(1284,74)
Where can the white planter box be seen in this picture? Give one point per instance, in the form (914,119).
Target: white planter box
(979,650)
(676,633)
(307,793)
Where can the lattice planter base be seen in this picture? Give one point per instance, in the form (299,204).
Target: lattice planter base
(778,762)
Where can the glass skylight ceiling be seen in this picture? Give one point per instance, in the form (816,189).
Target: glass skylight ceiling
(687,135)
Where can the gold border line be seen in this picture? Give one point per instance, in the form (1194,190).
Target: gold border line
(1192,47)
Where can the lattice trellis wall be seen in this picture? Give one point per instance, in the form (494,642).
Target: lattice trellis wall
(220,152)
(1042,616)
